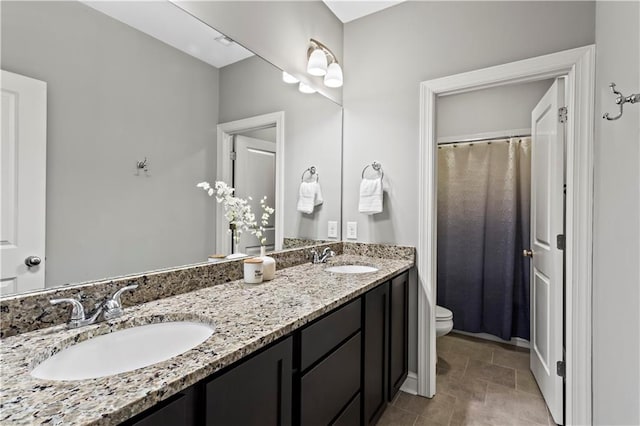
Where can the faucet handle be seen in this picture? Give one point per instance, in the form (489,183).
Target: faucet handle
(113,305)
(117,294)
(315,257)
(328,251)
(77,314)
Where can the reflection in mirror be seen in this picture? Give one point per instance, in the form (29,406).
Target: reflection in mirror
(250,155)
(254,177)
(117,95)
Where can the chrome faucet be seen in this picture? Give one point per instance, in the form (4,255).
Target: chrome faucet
(321,258)
(110,309)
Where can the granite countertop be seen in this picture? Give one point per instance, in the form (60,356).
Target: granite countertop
(246,318)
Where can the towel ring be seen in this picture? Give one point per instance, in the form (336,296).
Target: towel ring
(312,172)
(375,166)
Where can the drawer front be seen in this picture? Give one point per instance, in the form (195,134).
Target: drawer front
(325,334)
(351,415)
(330,385)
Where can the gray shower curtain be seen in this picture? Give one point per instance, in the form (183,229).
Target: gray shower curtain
(483,226)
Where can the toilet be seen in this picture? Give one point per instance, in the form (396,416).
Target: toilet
(444,321)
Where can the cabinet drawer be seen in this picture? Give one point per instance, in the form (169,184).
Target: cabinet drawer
(325,334)
(330,385)
(351,415)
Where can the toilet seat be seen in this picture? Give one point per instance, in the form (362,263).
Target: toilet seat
(443,314)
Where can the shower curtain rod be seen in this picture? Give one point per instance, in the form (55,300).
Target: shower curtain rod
(472,140)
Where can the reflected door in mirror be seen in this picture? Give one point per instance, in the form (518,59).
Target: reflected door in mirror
(23,183)
(254,175)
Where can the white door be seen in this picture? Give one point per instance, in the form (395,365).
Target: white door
(547,212)
(23,159)
(255,176)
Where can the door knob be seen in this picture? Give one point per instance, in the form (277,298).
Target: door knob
(527,253)
(32,261)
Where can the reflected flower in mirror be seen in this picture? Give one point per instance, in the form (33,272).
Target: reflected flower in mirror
(238,212)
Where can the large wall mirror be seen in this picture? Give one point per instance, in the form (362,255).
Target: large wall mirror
(129,82)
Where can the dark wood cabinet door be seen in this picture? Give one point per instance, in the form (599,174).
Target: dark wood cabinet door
(180,409)
(398,332)
(256,392)
(375,353)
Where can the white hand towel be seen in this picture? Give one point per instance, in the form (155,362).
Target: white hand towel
(306,197)
(370,196)
(317,200)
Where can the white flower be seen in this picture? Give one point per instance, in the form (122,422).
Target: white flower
(238,212)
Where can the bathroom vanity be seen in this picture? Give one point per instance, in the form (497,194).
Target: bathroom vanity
(344,365)
(309,347)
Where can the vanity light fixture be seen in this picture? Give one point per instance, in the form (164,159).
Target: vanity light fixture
(334,75)
(317,62)
(322,62)
(288,78)
(305,88)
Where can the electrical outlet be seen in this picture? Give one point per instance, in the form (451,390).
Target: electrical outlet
(352,230)
(332,229)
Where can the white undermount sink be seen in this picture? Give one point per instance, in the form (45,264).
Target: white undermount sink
(123,350)
(351,269)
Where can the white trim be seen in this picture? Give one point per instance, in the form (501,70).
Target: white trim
(503,134)
(410,385)
(224,173)
(578,65)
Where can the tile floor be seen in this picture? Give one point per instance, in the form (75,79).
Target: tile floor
(479,382)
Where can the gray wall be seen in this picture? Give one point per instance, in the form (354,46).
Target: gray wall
(489,110)
(276,30)
(115,96)
(417,41)
(616,283)
(313,136)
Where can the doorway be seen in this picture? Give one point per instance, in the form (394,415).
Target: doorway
(577,66)
(254,177)
(269,126)
(500,201)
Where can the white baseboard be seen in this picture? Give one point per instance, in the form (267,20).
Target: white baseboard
(410,385)
(515,341)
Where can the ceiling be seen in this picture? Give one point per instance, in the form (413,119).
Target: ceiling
(348,10)
(185,33)
(197,39)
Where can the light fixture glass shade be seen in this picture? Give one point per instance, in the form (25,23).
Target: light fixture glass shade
(288,78)
(334,75)
(317,64)
(305,88)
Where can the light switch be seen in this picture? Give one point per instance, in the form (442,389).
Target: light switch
(352,230)
(332,229)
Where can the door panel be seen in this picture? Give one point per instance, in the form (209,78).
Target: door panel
(255,177)
(257,392)
(376,353)
(398,333)
(547,211)
(540,341)
(23,161)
